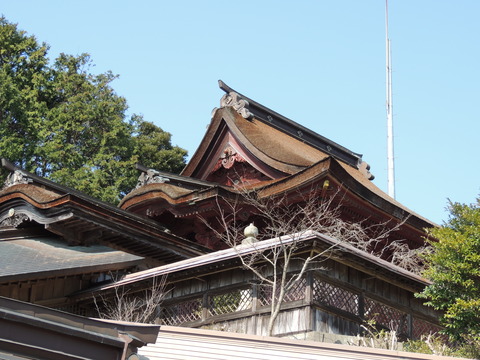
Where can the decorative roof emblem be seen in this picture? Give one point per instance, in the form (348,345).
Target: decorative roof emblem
(365,170)
(238,103)
(17,177)
(151,176)
(13,219)
(228,158)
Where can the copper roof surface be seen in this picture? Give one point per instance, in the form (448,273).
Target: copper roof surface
(40,257)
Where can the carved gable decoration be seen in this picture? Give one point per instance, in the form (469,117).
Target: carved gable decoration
(365,170)
(150,176)
(17,177)
(14,219)
(232,169)
(228,159)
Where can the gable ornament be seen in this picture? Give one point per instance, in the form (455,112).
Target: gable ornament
(228,158)
(17,177)
(13,219)
(364,169)
(151,176)
(238,103)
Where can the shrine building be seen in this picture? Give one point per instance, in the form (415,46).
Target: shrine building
(62,248)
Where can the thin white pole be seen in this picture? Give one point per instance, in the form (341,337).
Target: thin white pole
(390,155)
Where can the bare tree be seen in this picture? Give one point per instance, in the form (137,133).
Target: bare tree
(286,223)
(140,307)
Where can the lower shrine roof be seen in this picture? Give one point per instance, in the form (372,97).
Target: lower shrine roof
(46,256)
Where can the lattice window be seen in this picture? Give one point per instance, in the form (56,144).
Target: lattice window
(335,296)
(183,312)
(386,316)
(297,292)
(230,302)
(421,327)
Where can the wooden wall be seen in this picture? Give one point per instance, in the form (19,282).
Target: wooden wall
(333,298)
(51,292)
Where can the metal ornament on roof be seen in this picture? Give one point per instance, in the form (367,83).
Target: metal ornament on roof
(238,103)
(17,177)
(151,176)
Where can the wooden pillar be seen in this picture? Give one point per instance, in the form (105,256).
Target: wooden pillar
(254,297)
(361,305)
(309,287)
(410,326)
(205,306)
(309,313)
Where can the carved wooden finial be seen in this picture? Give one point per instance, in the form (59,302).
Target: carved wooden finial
(17,177)
(238,103)
(151,176)
(365,170)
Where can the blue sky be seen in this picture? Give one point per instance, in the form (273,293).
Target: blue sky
(320,63)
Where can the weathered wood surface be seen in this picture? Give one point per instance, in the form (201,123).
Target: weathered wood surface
(333,299)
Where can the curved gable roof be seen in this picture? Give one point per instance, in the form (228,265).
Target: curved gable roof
(269,140)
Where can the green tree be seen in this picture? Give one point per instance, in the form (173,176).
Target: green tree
(454,269)
(62,122)
(23,81)
(154,149)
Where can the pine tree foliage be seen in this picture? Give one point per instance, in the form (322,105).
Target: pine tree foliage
(62,122)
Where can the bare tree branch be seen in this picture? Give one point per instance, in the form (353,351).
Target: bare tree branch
(138,307)
(280,218)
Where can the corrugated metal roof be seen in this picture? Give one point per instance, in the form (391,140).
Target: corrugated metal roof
(40,255)
(174,343)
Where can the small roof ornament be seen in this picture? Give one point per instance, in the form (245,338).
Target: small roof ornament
(240,105)
(17,177)
(150,176)
(251,233)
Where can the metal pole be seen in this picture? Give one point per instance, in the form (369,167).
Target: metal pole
(390,154)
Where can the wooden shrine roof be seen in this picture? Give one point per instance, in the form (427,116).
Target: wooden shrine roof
(30,331)
(80,219)
(285,154)
(271,137)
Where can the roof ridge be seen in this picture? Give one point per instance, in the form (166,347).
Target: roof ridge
(248,108)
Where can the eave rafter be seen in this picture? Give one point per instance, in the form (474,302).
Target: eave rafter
(81,219)
(83,227)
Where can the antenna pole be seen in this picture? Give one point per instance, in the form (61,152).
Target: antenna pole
(390,156)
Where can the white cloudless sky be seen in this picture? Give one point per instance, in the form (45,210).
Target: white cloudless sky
(320,63)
